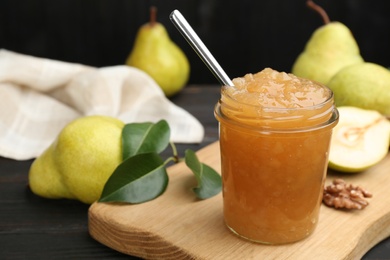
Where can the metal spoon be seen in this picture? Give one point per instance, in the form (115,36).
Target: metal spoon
(196,43)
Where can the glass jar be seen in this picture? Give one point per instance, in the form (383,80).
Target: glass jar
(274,163)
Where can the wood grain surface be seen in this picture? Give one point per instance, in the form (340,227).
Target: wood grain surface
(178,226)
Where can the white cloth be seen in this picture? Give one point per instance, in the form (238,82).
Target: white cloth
(38,97)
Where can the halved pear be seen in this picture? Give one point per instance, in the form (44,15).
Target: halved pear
(360,140)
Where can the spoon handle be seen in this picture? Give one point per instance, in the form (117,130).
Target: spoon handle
(196,43)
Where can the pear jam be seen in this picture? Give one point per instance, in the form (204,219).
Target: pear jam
(275,131)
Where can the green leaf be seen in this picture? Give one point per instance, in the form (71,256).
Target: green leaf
(209,181)
(138,179)
(145,138)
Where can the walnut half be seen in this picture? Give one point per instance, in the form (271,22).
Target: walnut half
(341,195)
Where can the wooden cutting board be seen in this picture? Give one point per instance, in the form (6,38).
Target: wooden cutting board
(178,226)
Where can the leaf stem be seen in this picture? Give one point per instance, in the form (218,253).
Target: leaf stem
(176,158)
(170,159)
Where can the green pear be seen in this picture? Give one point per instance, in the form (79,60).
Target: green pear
(330,48)
(365,85)
(156,54)
(360,140)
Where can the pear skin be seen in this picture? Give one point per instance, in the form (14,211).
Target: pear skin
(365,85)
(87,152)
(330,48)
(45,179)
(156,54)
(78,164)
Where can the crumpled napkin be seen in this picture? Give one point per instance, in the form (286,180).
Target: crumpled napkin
(38,97)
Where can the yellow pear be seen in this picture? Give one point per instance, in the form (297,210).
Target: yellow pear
(330,48)
(79,162)
(156,54)
(45,179)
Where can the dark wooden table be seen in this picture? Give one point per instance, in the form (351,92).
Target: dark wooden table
(36,228)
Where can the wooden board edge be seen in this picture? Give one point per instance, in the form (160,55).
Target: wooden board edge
(139,243)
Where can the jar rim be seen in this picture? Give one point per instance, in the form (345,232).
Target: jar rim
(282,109)
(331,122)
(267,129)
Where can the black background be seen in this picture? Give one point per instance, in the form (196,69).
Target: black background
(244,36)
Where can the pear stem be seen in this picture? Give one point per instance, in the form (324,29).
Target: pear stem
(153,15)
(319,10)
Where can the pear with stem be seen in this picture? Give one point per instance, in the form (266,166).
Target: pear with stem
(156,54)
(330,48)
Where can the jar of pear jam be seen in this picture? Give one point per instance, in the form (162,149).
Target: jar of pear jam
(275,131)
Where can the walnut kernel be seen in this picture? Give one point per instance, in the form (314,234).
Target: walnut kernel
(341,195)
